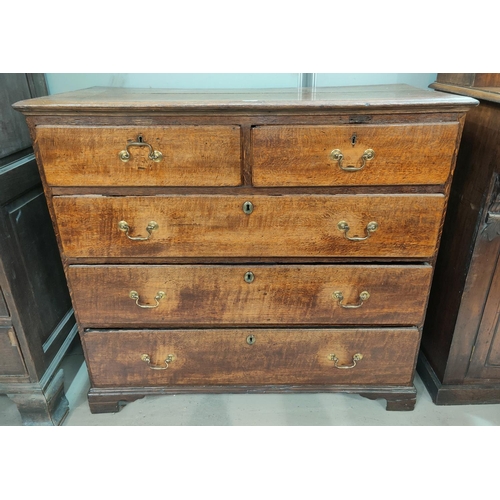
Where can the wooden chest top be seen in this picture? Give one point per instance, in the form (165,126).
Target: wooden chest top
(153,101)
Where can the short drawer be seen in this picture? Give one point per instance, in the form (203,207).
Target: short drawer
(128,156)
(11,360)
(205,295)
(251,357)
(392,154)
(278,226)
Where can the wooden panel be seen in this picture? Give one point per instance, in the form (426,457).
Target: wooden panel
(404,154)
(462,79)
(278,356)
(208,295)
(4,311)
(33,266)
(14,134)
(11,362)
(288,225)
(192,156)
(466,259)
(485,360)
(18,174)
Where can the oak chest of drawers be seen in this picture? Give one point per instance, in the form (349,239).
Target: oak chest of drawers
(264,241)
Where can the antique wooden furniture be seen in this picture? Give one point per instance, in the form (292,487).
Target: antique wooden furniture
(37,324)
(260,241)
(460,356)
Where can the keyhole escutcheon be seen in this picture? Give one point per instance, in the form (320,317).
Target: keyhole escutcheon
(249,277)
(248,207)
(251,339)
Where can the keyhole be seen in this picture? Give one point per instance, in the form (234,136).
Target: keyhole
(249,277)
(139,138)
(248,207)
(250,340)
(354,138)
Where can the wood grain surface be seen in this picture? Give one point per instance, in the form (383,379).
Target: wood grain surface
(404,154)
(192,156)
(224,357)
(394,98)
(280,226)
(219,295)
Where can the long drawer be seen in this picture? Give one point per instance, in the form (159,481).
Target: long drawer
(251,357)
(250,226)
(206,155)
(201,295)
(358,155)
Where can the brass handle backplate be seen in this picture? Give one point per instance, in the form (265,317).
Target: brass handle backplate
(338,156)
(355,358)
(147,359)
(363,296)
(124,226)
(153,155)
(135,296)
(371,227)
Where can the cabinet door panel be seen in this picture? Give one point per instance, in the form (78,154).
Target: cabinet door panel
(485,361)
(11,361)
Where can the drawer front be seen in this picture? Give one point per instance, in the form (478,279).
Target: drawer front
(191,156)
(225,357)
(203,295)
(11,361)
(403,154)
(279,226)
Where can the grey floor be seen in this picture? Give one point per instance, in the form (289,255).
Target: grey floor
(254,409)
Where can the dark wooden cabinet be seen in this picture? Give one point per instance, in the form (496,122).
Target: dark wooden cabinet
(37,324)
(460,352)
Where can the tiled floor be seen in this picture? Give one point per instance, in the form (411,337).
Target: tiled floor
(255,409)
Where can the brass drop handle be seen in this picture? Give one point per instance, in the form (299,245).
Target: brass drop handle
(154,155)
(371,227)
(363,296)
(135,296)
(337,155)
(124,226)
(355,358)
(147,359)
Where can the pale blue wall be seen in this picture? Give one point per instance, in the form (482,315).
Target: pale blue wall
(421,80)
(64,82)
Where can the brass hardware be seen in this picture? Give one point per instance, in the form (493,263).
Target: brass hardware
(337,155)
(249,277)
(355,358)
(147,359)
(135,296)
(371,227)
(153,155)
(363,296)
(152,226)
(248,207)
(251,340)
